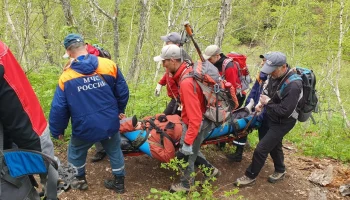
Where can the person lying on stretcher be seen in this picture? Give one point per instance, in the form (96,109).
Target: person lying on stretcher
(164,131)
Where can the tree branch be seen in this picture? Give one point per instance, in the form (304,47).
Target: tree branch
(101,10)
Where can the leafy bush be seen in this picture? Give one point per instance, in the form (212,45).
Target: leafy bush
(200,190)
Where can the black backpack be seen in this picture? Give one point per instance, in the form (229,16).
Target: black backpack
(308,102)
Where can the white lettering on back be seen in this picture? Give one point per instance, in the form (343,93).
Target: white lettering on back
(93,82)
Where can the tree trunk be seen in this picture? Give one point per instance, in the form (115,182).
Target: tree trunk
(68,13)
(27,6)
(15,34)
(116,29)
(47,43)
(133,71)
(93,17)
(339,57)
(130,36)
(224,14)
(170,13)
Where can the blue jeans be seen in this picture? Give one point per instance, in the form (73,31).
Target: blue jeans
(77,152)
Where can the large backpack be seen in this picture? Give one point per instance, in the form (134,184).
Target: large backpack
(308,101)
(239,61)
(220,96)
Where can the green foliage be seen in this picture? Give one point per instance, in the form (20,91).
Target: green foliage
(48,75)
(200,190)
(142,101)
(323,139)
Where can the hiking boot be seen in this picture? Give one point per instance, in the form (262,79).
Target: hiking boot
(116,184)
(98,156)
(237,156)
(276,176)
(79,182)
(244,181)
(214,173)
(178,188)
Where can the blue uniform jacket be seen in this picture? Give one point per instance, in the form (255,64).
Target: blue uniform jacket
(92,92)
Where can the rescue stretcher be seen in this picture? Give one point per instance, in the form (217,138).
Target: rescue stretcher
(226,132)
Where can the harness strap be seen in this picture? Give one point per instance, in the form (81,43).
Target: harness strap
(51,184)
(290,79)
(6,177)
(162,133)
(224,65)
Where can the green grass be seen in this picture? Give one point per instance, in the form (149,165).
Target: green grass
(328,138)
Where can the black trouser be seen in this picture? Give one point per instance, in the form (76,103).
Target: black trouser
(271,137)
(171,109)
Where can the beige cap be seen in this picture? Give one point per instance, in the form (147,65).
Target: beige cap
(168,52)
(210,51)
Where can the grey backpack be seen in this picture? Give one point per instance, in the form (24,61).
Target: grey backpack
(17,169)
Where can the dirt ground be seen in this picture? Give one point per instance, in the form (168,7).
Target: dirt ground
(144,173)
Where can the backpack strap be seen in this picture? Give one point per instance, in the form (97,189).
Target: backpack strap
(224,65)
(189,75)
(290,79)
(235,64)
(162,133)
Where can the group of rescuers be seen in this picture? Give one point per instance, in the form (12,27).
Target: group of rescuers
(92,91)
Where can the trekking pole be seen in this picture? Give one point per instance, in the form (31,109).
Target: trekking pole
(190,34)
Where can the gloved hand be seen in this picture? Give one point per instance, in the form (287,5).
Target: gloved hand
(157,90)
(264,99)
(186,149)
(258,107)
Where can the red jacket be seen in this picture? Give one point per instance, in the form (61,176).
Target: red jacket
(171,86)
(193,105)
(231,72)
(20,112)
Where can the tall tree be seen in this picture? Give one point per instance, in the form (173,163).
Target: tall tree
(68,13)
(134,69)
(16,35)
(342,32)
(44,11)
(225,12)
(130,36)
